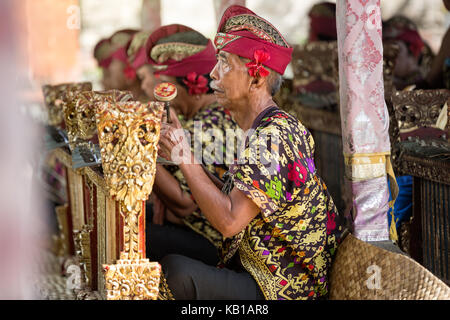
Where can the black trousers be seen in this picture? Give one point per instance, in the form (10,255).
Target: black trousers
(190,279)
(175,239)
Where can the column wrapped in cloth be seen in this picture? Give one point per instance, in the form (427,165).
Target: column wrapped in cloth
(365,118)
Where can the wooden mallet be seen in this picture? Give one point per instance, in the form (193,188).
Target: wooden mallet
(165,92)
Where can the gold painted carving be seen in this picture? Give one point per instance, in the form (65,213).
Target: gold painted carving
(418,108)
(61,241)
(79,112)
(128,136)
(83,252)
(54,96)
(132,280)
(86,104)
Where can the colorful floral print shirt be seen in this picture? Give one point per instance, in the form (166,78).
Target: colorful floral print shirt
(288,247)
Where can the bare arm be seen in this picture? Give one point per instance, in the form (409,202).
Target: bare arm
(219,183)
(229,214)
(168,189)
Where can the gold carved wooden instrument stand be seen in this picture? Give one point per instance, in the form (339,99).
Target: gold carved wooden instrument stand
(128,135)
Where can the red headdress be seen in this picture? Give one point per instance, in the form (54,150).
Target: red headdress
(244,33)
(403,29)
(412,40)
(177,50)
(136,49)
(120,41)
(102,53)
(323,21)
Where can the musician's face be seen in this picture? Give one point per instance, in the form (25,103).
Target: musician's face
(406,63)
(231,81)
(148,81)
(117,78)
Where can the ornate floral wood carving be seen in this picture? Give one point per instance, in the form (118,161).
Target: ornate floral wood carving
(86,104)
(419,108)
(54,100)
(132,280)
(128,135)
(79,112)
(414,110)
(434,170)
(315,61)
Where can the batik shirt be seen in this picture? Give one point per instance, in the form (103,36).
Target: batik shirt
(288,247)
(212,117)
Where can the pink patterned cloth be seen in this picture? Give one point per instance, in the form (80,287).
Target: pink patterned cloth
(365,119)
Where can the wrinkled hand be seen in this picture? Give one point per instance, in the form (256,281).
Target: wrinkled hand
(173,144)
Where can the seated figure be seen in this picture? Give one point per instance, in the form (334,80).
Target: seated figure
(280,224)
(184,57)
(117,71)
(102,54)
(403,32)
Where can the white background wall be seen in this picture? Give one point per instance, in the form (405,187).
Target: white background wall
(101,18)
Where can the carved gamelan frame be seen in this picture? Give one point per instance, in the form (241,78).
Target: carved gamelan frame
(107,221)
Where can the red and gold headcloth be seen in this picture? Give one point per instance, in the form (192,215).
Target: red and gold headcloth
(120,41)
(136,49)
(244,33)
(177,50)
(102,53)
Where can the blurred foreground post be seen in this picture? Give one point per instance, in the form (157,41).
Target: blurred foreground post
(21,220)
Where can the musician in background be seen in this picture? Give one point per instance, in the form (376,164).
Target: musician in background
(137,59)
(184,57)
(102,53)
(117,71)
(322,22)
(403,32)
